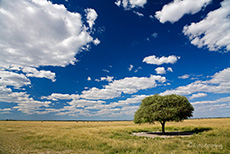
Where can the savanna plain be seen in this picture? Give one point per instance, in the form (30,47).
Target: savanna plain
(24,137)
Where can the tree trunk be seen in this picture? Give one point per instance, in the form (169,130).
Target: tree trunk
(163,127)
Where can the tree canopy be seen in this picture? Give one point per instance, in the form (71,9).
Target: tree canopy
(163,108)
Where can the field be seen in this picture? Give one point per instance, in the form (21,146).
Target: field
(210,136)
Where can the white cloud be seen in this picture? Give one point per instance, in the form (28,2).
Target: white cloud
(214,108)
(221,77)
(33,72)
(118,112)
(118,3)
(84,103)
(114,109)
(127,85)
(137,3)
(198,95)
(89,78)
(119,108)
(105,70)
(186,76)
(10,67)
(96,41)
(130,67)
(95,93)
(16,80)
(221,100)
(154,35)
(130,85)
(220,83)
(175,10)
(58,96)
(169,69)
(91,16)
(5,111)
(129,4)
(139,68)
(39,33)
(139,14)
(151,17)
(108,78)
(162,60)
(212,32)
(133,100)
(25,103)
(160,70)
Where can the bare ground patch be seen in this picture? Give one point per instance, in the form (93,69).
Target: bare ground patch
(166,135)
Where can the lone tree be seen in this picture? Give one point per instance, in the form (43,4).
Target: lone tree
(163,108)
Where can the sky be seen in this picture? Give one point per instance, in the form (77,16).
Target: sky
(98,59)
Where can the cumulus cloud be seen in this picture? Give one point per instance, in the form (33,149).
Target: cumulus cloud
(25,103)
(91,16)
(212,32)
(130,4)
(90,99)
(39,33)
(169,69)
(139,68)
(220,83)
(15,80)
(84,103)
(133,100)
(139,14)
(128,85)
(198,95)
(33,72)
(58,96)
(175,10)
(10,67)
(115,109)
(130,67)
(96,41)
(118,3)
(218,107)
(5,111)
(96,93)
(161,60)
(108,78)
(186,76)
(89,78)
(221,100)
(105,70)
(160,70)
(154,35)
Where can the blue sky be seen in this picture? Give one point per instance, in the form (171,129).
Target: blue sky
(97,59)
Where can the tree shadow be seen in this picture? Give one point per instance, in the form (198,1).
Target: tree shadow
(200,130)
(182,133)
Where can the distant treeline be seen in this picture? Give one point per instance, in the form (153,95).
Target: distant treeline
(66,120)
(97,120)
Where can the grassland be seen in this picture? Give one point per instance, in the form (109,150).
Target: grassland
(212,136)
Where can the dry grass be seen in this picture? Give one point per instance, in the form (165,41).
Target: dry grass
(212,136)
